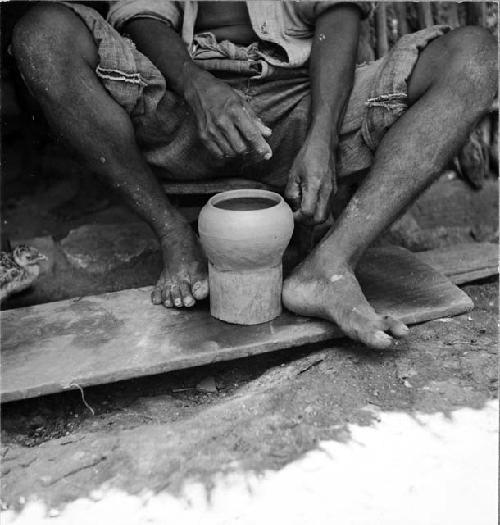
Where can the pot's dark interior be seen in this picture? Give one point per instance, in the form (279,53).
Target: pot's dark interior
(246,203)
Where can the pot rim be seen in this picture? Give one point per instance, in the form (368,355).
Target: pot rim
(246,192)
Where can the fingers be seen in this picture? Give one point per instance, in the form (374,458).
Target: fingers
(310,197)
(212,147)
(216,144)
(252,130)
(233,136)
(323,206)
(236,132)
(263,129)
(293,192)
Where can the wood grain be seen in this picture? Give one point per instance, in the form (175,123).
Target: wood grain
(465,262)
(212,187)
(100,339)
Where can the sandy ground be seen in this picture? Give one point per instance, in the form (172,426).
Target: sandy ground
(160,437)
(418,469)
(320,434)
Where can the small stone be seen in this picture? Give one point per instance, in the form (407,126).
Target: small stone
(207,385)
(46,480)
(53,513)
(308,409)
(22,500)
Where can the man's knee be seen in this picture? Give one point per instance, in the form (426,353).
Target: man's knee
(474,57)
(48,37)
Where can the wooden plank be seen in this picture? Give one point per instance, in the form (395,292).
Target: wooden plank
(212,187)
(465,262)
(99,339)
(424,15)
(476,13)
(401,15)
(382,40)
(452,14)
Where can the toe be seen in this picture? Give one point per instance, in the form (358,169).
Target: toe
(156,295)
(187,298)
(165,296)
(395,326)
(200,289)
(371,333)
(175,293)
(377,339)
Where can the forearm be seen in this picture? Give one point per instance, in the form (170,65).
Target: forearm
(227,126)
(332,66)
(165,48)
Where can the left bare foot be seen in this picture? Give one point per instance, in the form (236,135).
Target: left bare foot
(333,293)
(184,279)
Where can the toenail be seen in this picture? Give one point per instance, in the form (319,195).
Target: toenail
(382,337)
(336,277)
(178,302)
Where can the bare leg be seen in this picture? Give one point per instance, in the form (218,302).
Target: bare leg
(57,58)
(452,86)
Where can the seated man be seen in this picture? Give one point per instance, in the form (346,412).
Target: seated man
(266,90)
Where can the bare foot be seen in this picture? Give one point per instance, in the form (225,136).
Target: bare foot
(184,279)
(334,294)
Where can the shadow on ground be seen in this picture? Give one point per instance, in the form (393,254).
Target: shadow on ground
(158,432)
(265,412)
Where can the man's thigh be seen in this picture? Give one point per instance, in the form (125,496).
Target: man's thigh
(378,98)
(164,125)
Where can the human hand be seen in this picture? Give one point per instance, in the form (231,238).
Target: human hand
(311,181)
(227,125)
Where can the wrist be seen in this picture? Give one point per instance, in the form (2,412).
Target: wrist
(190,73)
(197,79)
(323,134)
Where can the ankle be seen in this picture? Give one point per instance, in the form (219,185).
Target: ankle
(329,256)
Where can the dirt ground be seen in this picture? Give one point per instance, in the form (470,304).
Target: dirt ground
(262,413)
(158,432)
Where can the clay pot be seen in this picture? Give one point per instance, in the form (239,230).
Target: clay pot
(244,234)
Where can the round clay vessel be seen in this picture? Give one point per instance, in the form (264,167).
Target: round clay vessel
(244,234)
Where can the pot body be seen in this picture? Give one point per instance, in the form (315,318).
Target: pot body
(244,246)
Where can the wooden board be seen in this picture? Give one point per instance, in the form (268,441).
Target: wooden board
(465,262)
(99,339)
(212,187)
